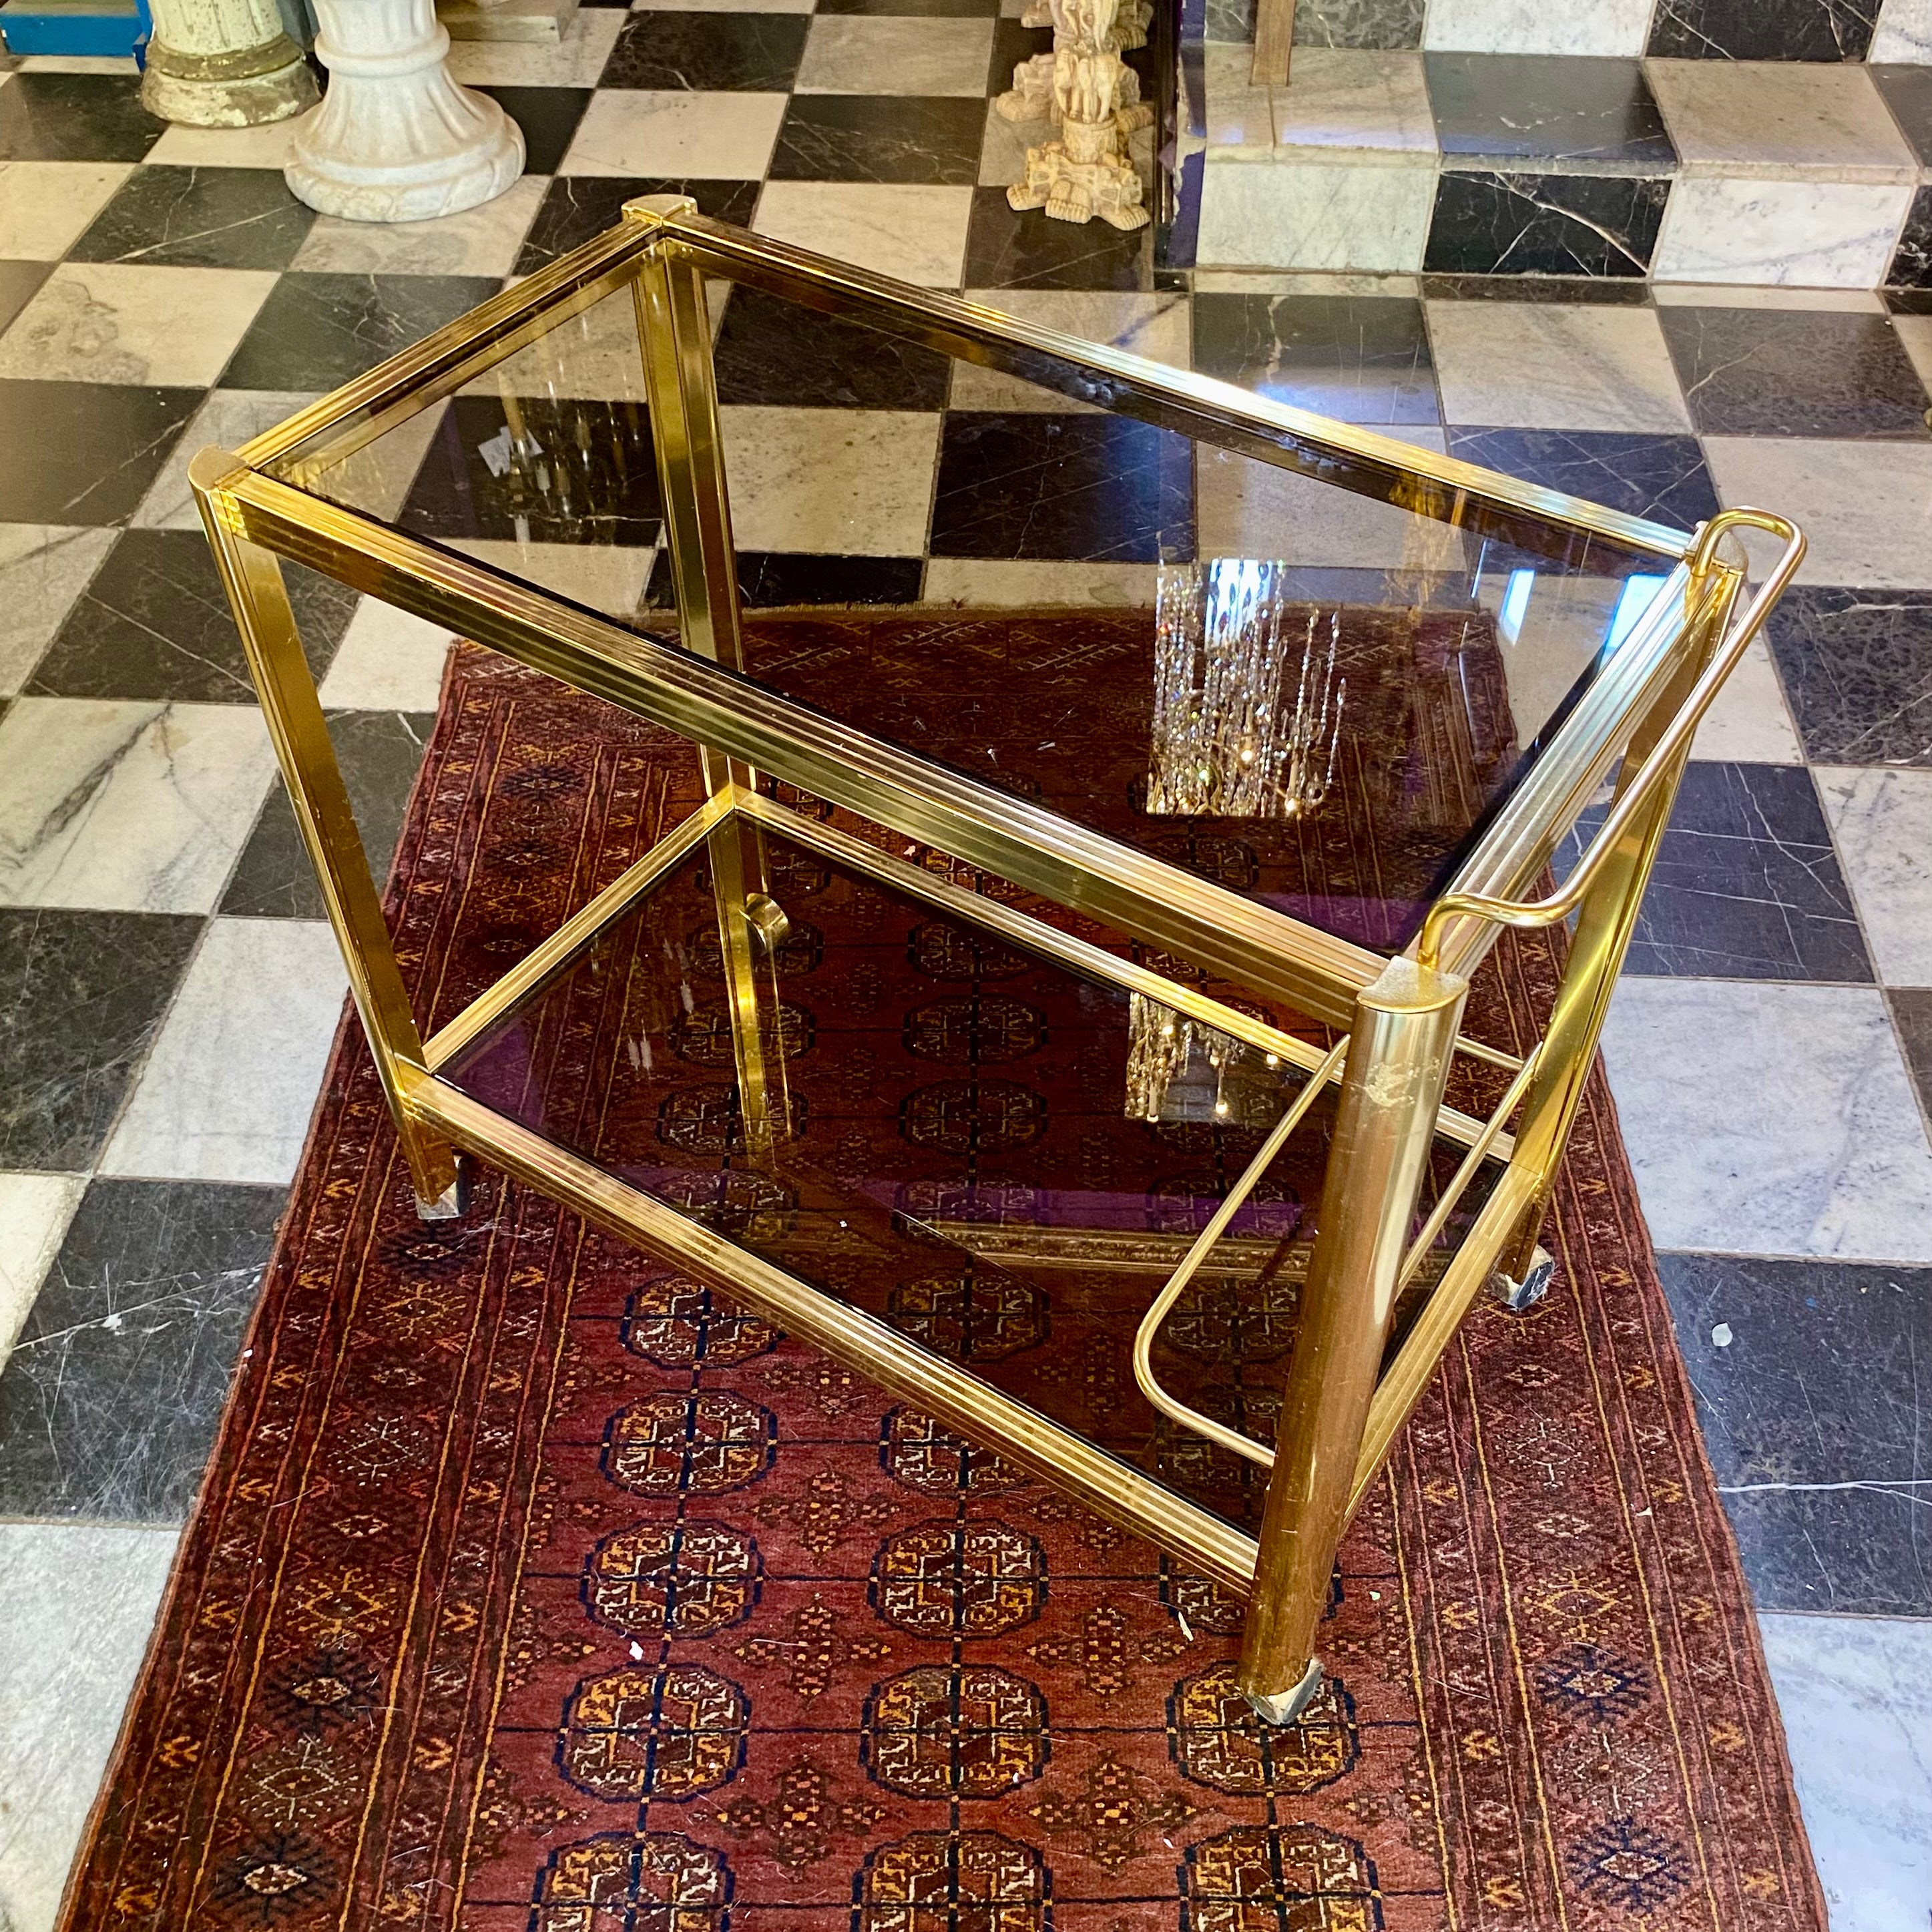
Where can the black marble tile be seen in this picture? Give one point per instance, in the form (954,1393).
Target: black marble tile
(577,208)
(1569,290)
(81,994)
(574,471)
(316,332)
(1818,1416)
(18,282)
(83,452)
(1788,372)
(1912,1014)
(155,623)
(1908,93)
(1857,670)
(1548,107)
(1487,223)
(976,10)
(767,579)
(198,218)
(1911,259)
(547,116)
(1747,885)
(379,752)
(75,117)
(1908,301)
(1771,30)
(880,137)
(1092,488)
(771,350)
(1364,358)
(1011,44)
(1662,477)
(753,52)
(109,1401)
(1357,23)
(1008,250)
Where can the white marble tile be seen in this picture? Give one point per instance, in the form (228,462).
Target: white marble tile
(1599,27)
(1821,120)
(886,53)
(77,1601)
(916,232)
(44,568)
(976,582)
(1881,821)
(609,578)
(264,147)
(1353,98)
(231,1079)
(388,661)
(1538,365)
(1856,1694)
(1265,282)
(1814,234)
(119,321)
(1750,722)
(841,482)
(1826,1157)
(228,419)
(1239,114)
(694,136)
(131,807)
(576,61)
(1904,33)
(45,206)
(1371,218)
(34,1211)
(1717,295)
(1866,507)
(479,241)
(1154,325)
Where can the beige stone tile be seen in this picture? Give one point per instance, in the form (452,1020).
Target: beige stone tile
(1822,120)
(917,233)
(101,321)
(976,582)
(675,135)
(479,241)
(1865,506)
(45,206)
(1354,97)
(840,482)
(885,53)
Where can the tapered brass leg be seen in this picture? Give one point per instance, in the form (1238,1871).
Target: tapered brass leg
(1392,1082)
(253,578)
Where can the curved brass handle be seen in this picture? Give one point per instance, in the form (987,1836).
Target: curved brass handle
(1677,735)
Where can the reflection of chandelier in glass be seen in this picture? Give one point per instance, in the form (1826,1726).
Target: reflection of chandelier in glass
(1160,1043)
(1226,741)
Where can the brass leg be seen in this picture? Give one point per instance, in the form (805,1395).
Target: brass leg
(1392,1085)
(253,578)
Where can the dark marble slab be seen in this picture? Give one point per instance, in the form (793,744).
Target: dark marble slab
(752,53)
(1091,487)
(1364,358)
(880,137)
(1747,885)
(1908,301)
(1662,477)
(1777,30)
(1598,114)
(547,116)
(109,1401)
(83,452)
(1358,23)
(75,117)
(1486,223)
(1911,259)
(770,350)
(379,752)
(316,332)
(1908,93)
(81,994)
(1912,1013)
(577,207)
(574,471)
(18,280)
(1009,250)
(1231,22)
(1607,290)
(1857,670)
(1795,372)
(1818,1417)
(768,579)
(198,218)
(155,623)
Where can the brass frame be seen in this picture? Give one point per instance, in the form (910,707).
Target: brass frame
(1342,1408)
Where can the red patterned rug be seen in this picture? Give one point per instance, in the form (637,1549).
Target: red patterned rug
(534,1589)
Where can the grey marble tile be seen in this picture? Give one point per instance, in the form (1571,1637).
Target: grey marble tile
(1907,91)
(1865,506)
(1778,117)
(843,482)
(1904,32)
(1597,115)
(1809,234)
(917,233)
(81,995)
(1597,28)
(1853,1692)
(77,1603)
(228,419)
(44,568)
(389,661)
(1782,30)
(1351,99)
(45,206)
(110,1399)
(20,281)
(1815,1415)
(578,60)
(1372,221)
(1540,366)
(1354,23)
(481,241)
(1830,1160)
(674,132)
(1857,669)
(879,54)
(1882,821)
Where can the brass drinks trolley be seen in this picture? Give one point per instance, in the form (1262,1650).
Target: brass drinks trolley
(1392,1015)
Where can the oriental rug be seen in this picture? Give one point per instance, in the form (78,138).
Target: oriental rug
(533,1588)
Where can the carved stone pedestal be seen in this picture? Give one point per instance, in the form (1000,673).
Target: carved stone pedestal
(223,64)
(1084,173)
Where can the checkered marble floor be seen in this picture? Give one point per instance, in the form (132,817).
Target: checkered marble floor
(167,988)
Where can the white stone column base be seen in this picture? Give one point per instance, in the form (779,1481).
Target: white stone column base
(245,89)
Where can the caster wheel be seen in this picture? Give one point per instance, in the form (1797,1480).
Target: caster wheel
(1284,1709)
(1518,1296)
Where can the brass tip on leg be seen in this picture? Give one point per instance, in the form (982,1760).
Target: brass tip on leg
(450,1203)
(1288,1705)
